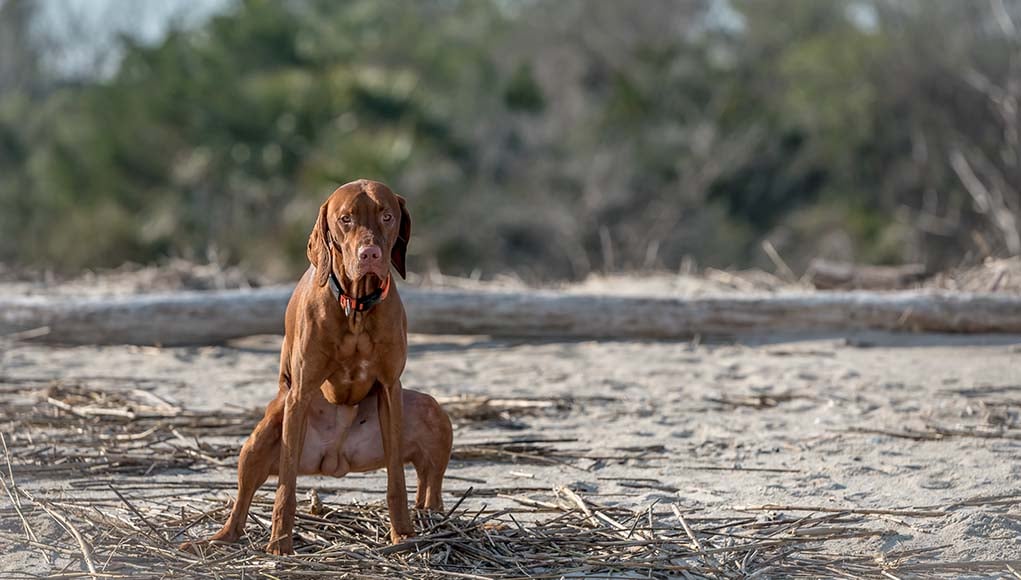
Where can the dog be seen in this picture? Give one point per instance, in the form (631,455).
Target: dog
(345,346)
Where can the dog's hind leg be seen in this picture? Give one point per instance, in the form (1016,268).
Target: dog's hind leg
(256,462)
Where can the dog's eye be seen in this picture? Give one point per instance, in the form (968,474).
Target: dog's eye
(345,219)
(387,217)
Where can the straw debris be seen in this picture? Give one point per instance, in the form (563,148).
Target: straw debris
(117,523)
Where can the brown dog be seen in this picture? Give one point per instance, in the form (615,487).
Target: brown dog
(345,336)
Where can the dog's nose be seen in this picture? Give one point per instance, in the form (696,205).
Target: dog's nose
(369,253)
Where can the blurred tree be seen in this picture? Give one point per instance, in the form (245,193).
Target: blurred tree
(229,135)
(954,97)
(552,139)
(20,51)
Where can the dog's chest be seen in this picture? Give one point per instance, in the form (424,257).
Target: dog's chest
(357,370)
(351,384)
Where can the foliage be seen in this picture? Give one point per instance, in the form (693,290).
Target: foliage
(547,138)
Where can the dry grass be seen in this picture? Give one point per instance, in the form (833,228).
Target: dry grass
(117,523)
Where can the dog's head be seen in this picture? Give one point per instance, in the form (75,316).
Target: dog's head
(360,230)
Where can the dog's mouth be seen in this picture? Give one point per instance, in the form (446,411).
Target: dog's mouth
(366,285)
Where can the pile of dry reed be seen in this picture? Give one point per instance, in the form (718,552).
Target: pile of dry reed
(118,523)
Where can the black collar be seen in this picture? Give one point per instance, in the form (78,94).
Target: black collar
(362,304)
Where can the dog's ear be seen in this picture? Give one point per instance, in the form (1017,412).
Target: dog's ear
(399,253)
(319,248)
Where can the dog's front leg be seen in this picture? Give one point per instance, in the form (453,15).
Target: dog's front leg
(390,410)
(296,404)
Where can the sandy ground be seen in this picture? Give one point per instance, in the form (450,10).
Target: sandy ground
(864,422)
(712,427)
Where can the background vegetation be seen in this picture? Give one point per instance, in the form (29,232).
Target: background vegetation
(548,138)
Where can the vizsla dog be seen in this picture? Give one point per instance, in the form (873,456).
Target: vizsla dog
(345,345)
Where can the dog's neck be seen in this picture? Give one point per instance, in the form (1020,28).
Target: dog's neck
(351,304)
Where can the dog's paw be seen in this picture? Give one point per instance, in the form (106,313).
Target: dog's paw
(280,546)
(224,536)
(195,547)
(397,537)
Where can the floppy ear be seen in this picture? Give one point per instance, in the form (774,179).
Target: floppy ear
(399,253)
(319,248)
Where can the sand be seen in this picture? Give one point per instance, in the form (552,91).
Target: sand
(869,421)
